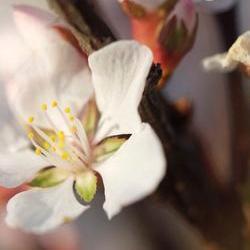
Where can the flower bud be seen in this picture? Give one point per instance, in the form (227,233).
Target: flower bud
(168,27)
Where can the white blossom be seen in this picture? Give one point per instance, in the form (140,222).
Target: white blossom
(73,139)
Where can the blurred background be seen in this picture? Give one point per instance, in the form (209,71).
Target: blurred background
(220,103)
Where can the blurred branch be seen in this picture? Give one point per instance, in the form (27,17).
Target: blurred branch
(188,186)
(90,31)
(240,128)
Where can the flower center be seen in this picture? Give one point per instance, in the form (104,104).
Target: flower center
(72,147)
(65,144)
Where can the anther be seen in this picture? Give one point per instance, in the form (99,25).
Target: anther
(30,135)
(30,119)
(61,135)
(53,138)
(54,104)
(65,155)
(71,118)
(46,145)
(38,151)
(67,110)
(44,107)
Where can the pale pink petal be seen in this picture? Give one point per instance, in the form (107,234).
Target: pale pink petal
(17,168)
(41,210)
(11,139)
(54,68)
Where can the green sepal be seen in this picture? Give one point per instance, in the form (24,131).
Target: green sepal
(90,118)
(49,177)
(108,146)
(86,185)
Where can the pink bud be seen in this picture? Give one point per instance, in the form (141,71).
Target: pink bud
(167,27)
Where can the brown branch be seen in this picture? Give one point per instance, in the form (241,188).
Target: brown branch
(81,16)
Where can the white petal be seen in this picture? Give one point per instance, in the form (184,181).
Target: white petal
(220,63)
(133,172)
(119,73)
(53,70)
(149,4)
(11,140)
(34,26)
(41,210)
(17,168)
(11,41)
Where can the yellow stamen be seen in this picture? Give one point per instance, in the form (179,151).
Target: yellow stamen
(71,118)
(53,138)
(38,151)
(30,119)
(67,110)
(54,104)
(44,107)
(30,135)
(46,145)
(61,135)
(53,149)
(61,138)
(65,155)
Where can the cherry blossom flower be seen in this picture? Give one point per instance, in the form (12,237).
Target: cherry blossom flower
(238,56)
(83,123)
